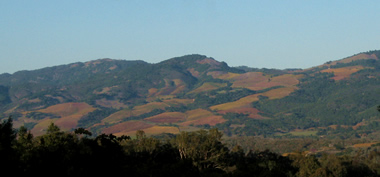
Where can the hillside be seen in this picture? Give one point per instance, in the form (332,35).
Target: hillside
(195,91)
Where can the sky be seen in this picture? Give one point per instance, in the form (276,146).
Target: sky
(261,34)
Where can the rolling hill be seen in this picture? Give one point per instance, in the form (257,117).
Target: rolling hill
(195,91)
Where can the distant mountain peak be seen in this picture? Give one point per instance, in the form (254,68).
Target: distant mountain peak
(209,61)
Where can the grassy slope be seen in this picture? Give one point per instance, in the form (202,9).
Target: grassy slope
(70,114)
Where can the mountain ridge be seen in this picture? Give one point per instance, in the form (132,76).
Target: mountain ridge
(238,100)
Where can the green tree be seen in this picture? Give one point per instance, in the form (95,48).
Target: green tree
(204,148)
(9,157)
(145,144)
(333,165)
(307,165)
(25,146)
(82,131)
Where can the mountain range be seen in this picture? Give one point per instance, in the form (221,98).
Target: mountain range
(195,91)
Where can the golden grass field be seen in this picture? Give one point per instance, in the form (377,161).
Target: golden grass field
(353,58)
(246,101)
(257,80)
(286,80)
(342,73)
(347,60)
(208,86)
(364,145)
(70,113)
(222,75)
(66,109)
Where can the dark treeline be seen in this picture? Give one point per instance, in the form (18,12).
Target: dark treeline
(199,153)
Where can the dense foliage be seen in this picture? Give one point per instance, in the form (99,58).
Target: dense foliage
(199,153)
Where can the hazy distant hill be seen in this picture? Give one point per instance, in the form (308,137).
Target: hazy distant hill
(195,91)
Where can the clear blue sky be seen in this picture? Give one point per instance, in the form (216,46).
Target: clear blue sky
(267,33)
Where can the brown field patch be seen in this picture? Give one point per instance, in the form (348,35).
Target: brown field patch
(364,145)
(110,103)
(353,58)
(128,126)
(347,60)
(212,120)
(152,91)
(146,108)
(244,104)
(69,122)
(67,109)
(193,72)
(249,80)
(70,113)
(357,125)
(178,89)
(342,73)
(112,67)
(358,57)
(279,93)
(257,80)
(223,75)
(287,79)
(198,114)
(208,61)
(138,110)
(117,116)
(167,117)
(263,82)
(333,126)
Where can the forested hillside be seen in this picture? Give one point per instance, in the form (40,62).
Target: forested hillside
(196,92)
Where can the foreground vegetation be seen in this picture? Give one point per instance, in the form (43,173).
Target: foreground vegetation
(199,153)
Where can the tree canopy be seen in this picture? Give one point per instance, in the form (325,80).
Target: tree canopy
(198,153)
